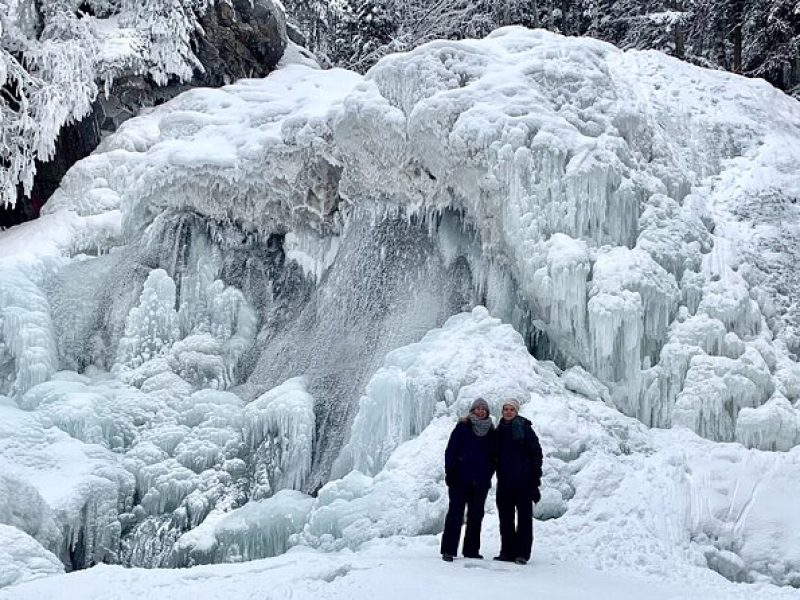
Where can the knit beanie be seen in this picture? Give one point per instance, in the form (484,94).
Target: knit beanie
(512,402)
(479,403)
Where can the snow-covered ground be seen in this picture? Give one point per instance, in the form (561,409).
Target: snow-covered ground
(393,569)
(247,323)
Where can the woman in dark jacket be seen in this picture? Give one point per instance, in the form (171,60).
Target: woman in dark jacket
(469,466)
(519,475)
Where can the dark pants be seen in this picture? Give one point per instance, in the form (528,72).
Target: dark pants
(515,539)
(472,498)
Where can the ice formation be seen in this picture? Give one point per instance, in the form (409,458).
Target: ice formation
(22,558)
(448,367)
(259,529)
(67,495)
(28,353)
(256,311)
(279,429)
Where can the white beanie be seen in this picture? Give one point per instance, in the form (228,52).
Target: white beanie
(512,402)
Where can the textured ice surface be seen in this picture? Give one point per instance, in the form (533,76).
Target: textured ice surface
(279,429)
(66,494)
(22,558)
(615,493)
(259,529)
(604,197)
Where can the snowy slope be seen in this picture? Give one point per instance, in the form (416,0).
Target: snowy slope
(297,284)
(394,569)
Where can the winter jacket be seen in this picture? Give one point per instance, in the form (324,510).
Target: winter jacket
(468,459)
(519,457)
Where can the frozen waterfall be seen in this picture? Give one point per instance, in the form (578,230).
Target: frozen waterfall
(256,311)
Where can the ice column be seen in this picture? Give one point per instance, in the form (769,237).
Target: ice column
(560,288)
(279,429)
(152,326)
(28,350)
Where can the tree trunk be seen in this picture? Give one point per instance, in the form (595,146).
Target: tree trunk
(737,47)
(677,5)
(679,46)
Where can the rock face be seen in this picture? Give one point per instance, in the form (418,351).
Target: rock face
(238,39)
(242,39)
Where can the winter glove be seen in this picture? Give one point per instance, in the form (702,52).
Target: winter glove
(536,496)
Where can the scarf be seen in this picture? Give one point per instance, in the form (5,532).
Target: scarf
(518,429)
(480,427)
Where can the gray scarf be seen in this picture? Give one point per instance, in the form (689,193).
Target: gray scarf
(517,425)
(480,427)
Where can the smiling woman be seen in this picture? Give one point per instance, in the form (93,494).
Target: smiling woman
(469,463)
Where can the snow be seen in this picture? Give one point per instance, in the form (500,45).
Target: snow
(22,558)
(383,567)
(251,318)
(77,490)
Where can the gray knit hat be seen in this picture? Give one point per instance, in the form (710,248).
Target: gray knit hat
(479,403)
(512,402)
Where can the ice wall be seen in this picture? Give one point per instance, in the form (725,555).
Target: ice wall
(387,287)
(597,205)
(279,429)
(609,199)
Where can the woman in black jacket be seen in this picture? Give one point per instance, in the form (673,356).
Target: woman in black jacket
(469,466)
(519,475)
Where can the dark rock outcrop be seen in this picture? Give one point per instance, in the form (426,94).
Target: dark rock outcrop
(241,40)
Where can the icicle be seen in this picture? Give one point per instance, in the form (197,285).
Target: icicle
(279,430)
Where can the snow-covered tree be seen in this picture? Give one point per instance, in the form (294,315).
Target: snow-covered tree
(314,19)
(53,55)
(773,50)
(758,38)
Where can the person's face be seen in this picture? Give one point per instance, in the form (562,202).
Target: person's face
(509,412)
(480,412)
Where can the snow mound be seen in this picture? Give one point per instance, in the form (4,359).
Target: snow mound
(259,529)
(22,558)
(81,489)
